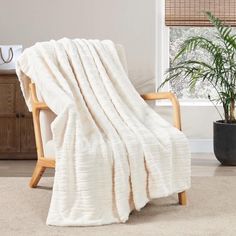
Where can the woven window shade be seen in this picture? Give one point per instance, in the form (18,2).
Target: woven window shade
(191,12)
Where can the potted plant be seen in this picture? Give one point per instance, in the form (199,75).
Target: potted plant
(220,73)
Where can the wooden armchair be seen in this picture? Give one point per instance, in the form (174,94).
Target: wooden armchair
(45,161)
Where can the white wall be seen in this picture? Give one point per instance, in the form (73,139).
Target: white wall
(197,121)
(128,22)
(197,124)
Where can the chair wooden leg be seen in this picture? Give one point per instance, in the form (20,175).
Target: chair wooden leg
(182,198)
(37,174)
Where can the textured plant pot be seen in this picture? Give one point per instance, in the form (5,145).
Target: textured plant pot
(225,142)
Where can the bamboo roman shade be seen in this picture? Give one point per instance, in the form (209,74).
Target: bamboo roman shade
(191,12)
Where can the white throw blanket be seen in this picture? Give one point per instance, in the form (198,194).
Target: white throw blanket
(113,152)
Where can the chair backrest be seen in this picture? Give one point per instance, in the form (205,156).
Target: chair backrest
(46,117)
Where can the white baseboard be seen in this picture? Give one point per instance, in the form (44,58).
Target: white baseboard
(201,145)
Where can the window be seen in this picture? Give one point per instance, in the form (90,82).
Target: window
(170,38)
(177,36)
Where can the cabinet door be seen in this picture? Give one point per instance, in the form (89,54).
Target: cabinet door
(27,139)
(9,121)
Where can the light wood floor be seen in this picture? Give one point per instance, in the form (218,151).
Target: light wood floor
(207,165)
(202,165)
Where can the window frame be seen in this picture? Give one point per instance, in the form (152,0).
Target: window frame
(162,57)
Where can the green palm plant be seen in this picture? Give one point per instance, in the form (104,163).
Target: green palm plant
(220,72)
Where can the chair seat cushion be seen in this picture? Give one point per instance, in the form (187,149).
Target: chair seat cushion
(49,150)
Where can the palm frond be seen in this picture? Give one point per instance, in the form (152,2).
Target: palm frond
(193,43)
(220,72)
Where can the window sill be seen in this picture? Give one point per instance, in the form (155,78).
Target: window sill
(187,103)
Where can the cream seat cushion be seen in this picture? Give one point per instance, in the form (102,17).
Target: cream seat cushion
(49,150)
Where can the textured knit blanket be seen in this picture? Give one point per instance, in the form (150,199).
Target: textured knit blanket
(113,152)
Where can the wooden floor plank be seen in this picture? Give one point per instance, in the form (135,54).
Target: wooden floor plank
(202,165)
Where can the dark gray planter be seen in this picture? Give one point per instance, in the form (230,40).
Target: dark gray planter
(225,142)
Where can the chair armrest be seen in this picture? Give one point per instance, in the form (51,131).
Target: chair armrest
(175,103)
(41,106)
(36,104)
